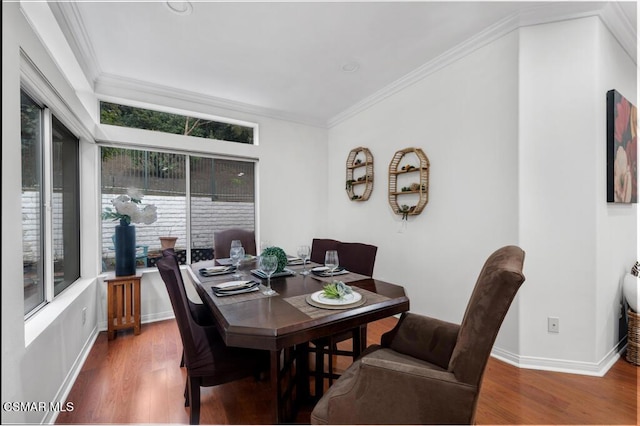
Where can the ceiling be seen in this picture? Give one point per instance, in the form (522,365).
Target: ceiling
(309,61)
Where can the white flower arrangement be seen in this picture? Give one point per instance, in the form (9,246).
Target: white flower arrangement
(129,208)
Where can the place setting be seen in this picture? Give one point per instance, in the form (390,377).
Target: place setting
(336,295)
(214,271)
(231,288)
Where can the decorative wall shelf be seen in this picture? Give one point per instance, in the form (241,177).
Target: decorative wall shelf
(414,173)
(359,183)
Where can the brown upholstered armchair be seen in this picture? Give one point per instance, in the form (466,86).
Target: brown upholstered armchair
(428,371)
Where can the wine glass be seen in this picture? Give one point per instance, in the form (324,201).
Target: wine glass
(303,253)
(331,260)
(235,243)
(268,265)
(237,254)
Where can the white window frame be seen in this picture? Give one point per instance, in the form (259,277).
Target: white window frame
(34,83)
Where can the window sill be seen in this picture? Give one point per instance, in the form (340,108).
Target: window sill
(42,319)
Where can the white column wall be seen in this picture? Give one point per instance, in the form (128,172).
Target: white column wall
(617,226)
(578,245)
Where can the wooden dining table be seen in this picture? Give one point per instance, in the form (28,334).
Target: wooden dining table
(286,322)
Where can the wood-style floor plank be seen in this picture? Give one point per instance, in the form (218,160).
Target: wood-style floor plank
(138,379)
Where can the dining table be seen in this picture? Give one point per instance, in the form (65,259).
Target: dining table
(285,323)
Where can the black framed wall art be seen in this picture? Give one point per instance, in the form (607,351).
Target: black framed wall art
(622,143)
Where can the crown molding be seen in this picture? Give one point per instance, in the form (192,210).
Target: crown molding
(622,29)
(70,21)
(610,13)
(113,85)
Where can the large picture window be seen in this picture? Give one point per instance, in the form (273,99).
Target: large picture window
(221,195)
(50,237)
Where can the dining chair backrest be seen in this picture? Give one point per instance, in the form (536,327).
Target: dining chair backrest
(172,277)
(209,361)
(357,257)
(222,241)
(319,247)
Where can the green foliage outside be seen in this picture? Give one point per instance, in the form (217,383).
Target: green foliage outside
(140,118)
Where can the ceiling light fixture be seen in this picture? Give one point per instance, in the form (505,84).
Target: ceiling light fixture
(351,66)
(180,7)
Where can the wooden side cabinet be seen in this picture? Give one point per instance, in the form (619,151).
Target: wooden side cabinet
(123,304)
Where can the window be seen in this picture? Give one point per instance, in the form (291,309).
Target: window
(32,197)
(65,207)
(221,195)
(50,177)
(140,118)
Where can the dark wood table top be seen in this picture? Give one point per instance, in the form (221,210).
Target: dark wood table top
(273,323)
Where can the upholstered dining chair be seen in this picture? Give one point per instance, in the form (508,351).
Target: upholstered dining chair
(201,313)
(319,247)
(222,241)
(428,371)
(355,257)
(209,362)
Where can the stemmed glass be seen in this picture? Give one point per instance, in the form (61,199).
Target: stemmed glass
(237,254)
(235,243)
(303,253)
(331,260)
(268,265)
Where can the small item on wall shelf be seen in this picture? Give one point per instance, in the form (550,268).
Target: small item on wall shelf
(622,136)
(359,182)
(405,166)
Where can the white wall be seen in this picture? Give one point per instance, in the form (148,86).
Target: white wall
(515,133)
(617,236)
(579,246)
(465,119)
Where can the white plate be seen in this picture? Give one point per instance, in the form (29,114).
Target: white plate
(213,269)
(233,285)
(348,299)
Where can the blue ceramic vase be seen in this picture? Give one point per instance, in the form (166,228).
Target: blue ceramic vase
(125,249)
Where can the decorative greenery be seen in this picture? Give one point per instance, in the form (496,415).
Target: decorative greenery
(349,183)
(280,254)
(336,290)
(405,210)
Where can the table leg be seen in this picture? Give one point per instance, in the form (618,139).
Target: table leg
(302,372)
(275,385)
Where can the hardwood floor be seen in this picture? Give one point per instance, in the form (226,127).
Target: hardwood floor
(137,379)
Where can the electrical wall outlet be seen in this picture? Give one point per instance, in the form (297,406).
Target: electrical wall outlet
(84,315)
(553,325)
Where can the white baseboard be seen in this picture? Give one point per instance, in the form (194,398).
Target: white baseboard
(598,369)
